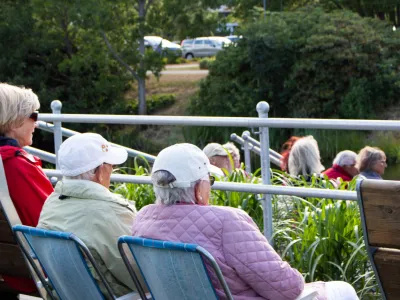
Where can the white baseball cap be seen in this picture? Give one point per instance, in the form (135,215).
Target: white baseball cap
(186,162)
(84,152)
(215,149)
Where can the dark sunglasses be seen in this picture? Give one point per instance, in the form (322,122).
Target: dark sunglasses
(212,180)
(34,116)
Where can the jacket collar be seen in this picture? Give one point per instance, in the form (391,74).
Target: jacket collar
(85,189)
(371,175)
(6,141)
(341,170)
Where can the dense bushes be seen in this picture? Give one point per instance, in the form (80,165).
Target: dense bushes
(155,102)
(306,63)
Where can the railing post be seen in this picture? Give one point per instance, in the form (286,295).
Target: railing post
(246,149)
(262,109)
(56,106)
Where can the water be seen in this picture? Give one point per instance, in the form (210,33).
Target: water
(392,172)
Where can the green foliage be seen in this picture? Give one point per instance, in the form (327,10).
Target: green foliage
(322,238)
(307,64)
(155,102)
(205,63)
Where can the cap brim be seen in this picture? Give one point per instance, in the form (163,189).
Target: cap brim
(116,156)
(215,170)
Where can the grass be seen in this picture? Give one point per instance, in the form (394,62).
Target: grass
(322,238)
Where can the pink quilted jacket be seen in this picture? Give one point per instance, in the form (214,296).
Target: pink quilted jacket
(251,267)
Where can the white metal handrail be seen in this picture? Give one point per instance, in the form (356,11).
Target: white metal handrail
(242,187)
(340,124)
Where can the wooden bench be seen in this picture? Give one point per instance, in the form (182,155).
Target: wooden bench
(379,202)
(12,261)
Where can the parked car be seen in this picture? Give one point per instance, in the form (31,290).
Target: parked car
(234,38)
(161,45)
(203,46)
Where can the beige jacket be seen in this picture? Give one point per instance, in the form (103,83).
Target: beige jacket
(98,217)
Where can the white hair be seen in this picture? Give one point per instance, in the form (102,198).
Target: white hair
(16,103)
(345,158)
(304,157)
(232,149)
(167,195)
(89,175)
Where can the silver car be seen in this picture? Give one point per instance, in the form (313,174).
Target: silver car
(203,46)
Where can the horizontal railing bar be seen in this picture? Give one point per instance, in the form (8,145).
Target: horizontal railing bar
(344,124)
(43,155)
(242,187)
(68,133)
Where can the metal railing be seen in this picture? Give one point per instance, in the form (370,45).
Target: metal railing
(250,144)
(262,122)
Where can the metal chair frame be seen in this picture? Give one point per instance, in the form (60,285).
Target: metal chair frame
(82,248)
(170,246)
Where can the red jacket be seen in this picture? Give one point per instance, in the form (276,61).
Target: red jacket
(29,189)
(337,171)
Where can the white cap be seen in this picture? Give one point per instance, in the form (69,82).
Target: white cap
(84,152)
(186,162)
(215,149)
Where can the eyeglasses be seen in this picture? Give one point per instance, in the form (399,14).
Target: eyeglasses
(212,180)
(34,116)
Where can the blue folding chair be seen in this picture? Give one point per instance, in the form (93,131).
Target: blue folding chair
(62,257)
(172,270)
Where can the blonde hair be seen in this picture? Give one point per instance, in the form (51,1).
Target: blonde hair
(368,156)
(304,158)
(16,103)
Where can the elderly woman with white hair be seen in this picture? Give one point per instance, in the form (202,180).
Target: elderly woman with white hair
(304,158)
(251,267)
(371,162)
(344,166)
(27,184)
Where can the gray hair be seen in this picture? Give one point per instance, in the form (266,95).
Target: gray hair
(345,158)
(232,149)
(16,103)
(304,158)
(169,196)
(89,175)
(368,156)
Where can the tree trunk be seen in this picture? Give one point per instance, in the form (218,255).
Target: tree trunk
(142,71)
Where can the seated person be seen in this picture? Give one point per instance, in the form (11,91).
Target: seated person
(285,152)
(27,184)
(218,156)
(304,158)
(82,204)
(343,166)
(251,267)
(235,153)
(371,162)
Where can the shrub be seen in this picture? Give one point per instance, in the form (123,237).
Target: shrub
(154,102)
(205,63)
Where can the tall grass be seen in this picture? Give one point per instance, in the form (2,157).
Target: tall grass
(322,238)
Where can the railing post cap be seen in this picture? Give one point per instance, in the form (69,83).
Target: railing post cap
(246,133)
(262,107)
(233,136)
(56,105)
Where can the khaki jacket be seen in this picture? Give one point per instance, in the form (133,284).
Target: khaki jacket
(98,217)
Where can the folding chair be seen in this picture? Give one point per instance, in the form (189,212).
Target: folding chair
(379,202)
(62,257)
(12,261)
(172,270)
